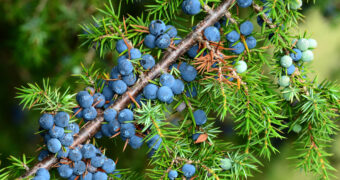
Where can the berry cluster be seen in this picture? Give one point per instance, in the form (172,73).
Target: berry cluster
(187,169)
(160,35)
(233,38)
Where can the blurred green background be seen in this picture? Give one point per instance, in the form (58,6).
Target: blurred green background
(39,39)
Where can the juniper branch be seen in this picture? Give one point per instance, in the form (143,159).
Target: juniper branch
(169,57)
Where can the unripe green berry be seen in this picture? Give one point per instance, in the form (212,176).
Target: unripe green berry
(307,56)
(284,81)
(226,164)
(303,44)
(241,67)
(312,43)
(286,61)
(297,128)
(295,4)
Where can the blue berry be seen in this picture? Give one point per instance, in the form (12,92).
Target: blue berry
(211,33)
(177,87)
(154,142)
(89,114)
(116,173)
(233,36)
(200,117)
(135,54)
(98,160)
(110,114)
(109,166)
(130,79)
(88,176)
(125,67)
(164,94)
(291,69)
(46,121)
(193,51)
(125,115)
(43,172)
(229,78)
(121,46)
(172,174)
(136,142)
(75,154)
(98,135)
(84,99)
(241,67)
(150,91)
(217,25)
(42,155)
(244,3)
(39,178)
(107,93)
(188,72)
(88,151)
(191,7)
(47,137)
(98,97)
(157,27)
(147,61)
(246,28)
(149,41)
(195,136)
(61,119)
(105,130)
(114,74)
(251,42)
(56,132)
(191,92)
(167,80)
(177,40)
(127,130)
(74,127)
(119,87)
(90,90)
(100,176)
(66,139)
(226,164)
(171,30)
(53,145)
(65,171)
(188,170)
(63,152)
(237,48)
(297,55)
(79,168)
(163,41)
(113,126)
(79,114)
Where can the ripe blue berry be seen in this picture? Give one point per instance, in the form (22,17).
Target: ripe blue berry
(241,67)
(291,69)
(53,145)
(42,155)
(136,142)
(251,42)
(63,152)
(191,7)
(147,61)
(135,54)
(98,160)
(56,132)
(193,51)
(119,87)
(125,67)
(84,99)
(171,30)
(302,44)
(98,97)
(79,114)
(65,171)
(297,55)
(61,119)
(211,33)
(217,25)
(88,151)
(74,127)
(284,81)
(129,79)
(195,136)
(307,56)
(110,115)
(226,164)
(150,91)
(89,114)
(154,142)
(75,154)
(100,176)
(66,139)
(200,117)
(244,3)
(246,28)
(177,87)
(114,74)
(164,94)
(79,168)
(127,130)
(163,41)
(107,93)
(98,135)
(157,27)
(188,170)
(149,41)
(188,72)
(238,48)
(286,61)
(233,36)
(177,40)
(125,115)
(109,166)
(167,80)
(105,130)
(172,174)
(46,121)
(121,46)
(88,176)
(43,172)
